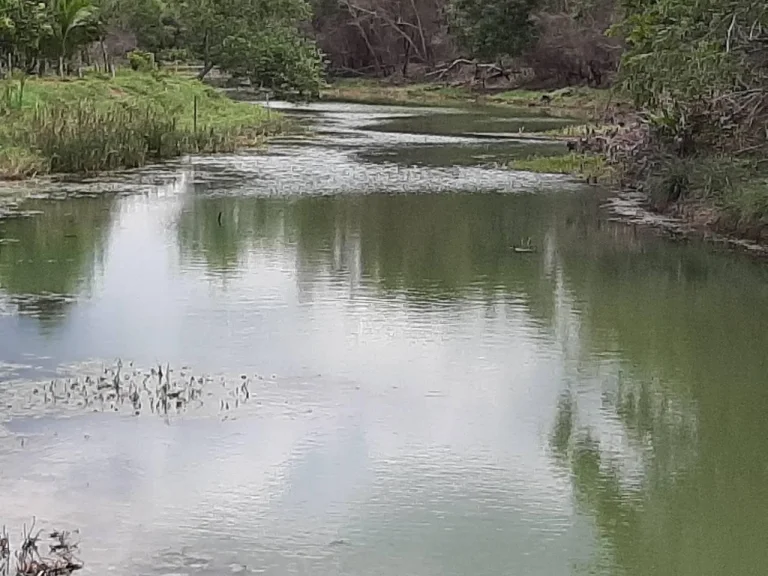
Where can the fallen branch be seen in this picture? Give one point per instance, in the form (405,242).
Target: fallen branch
(441,72)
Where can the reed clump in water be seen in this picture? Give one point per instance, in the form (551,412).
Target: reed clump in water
(127,389)
(59,559)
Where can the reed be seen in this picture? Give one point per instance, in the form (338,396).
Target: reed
(94,124)
(92,138)
(17,163)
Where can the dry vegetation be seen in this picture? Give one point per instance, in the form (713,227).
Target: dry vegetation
(416,40)
(38,554)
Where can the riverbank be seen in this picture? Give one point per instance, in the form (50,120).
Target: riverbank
(98,123)
(588,104)
(717,193)
(711,195)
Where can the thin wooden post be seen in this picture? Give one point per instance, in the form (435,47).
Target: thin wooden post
(194,116)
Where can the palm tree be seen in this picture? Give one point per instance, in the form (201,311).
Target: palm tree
(68,17)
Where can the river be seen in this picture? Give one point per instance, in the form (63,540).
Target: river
(422,398)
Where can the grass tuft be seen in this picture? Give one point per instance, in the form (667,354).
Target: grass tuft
(590,167)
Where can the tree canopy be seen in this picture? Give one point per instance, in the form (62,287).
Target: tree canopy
(256,39)
(491,29)
(261,40)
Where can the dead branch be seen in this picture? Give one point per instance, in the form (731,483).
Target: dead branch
(442,72)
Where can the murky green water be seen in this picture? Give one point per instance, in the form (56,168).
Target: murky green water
(426,399)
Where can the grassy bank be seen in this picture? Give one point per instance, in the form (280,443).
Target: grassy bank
(587,103)
(96,123)
(589,167)
(722,193)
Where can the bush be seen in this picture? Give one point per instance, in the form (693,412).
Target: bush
(141,61)
(174,55)
(569,52)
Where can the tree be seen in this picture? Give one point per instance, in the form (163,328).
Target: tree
(492,29)
(25,25)
(154,23)
(257,39)
(281,60)
(75,23)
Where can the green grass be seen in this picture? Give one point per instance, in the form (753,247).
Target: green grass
(590,167)
(591,101)
(749,201)
(98,123)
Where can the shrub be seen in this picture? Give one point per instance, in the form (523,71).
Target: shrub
(141,61)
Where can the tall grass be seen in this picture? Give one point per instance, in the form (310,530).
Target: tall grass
(99,124)
(18,163)
(91,138)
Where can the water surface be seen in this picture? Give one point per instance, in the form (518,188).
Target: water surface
(425,399)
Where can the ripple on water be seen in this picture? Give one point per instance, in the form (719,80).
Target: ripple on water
(332,172)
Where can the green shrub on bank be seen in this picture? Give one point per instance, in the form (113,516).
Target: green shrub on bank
(141,61)
(738,189)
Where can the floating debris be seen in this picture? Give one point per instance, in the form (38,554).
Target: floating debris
(525,247)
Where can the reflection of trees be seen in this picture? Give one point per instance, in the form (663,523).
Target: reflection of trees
(427,247)
(676,335)
(691,399)
(56,252)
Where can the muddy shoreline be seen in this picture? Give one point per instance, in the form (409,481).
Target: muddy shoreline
(680,222)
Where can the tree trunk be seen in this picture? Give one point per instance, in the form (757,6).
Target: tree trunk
(104,56)
(204,72)
(420,27)
(206,57)
(406,58)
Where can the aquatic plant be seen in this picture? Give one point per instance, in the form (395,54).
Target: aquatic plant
(59,560)
(125,388)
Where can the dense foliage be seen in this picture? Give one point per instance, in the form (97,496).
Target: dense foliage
(257,39)
(490,29)
(274,42)
(687,61)
(698,69)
